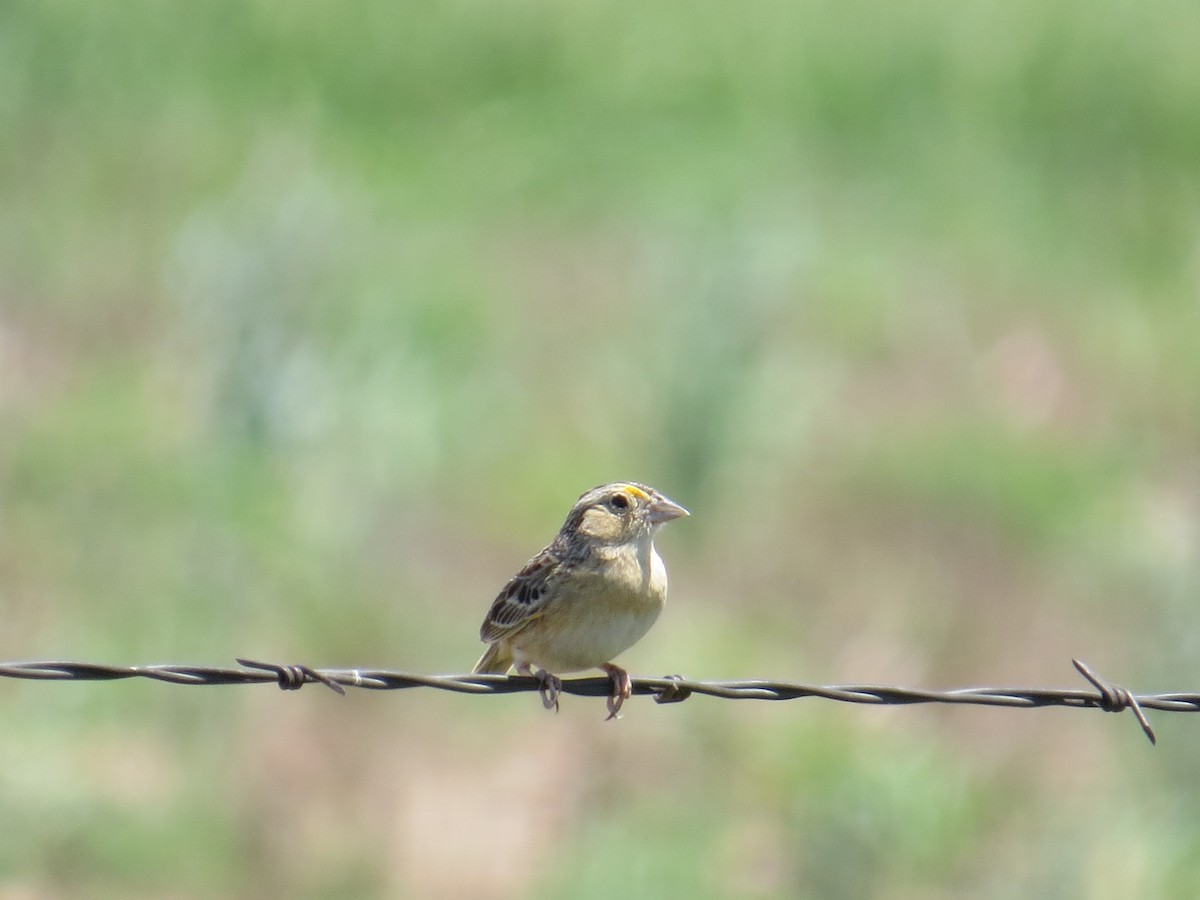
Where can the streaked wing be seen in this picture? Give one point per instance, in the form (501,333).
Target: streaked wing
(523,598)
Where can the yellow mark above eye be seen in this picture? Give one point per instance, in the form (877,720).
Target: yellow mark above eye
(636,491)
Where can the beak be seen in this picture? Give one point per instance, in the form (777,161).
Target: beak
(664,510)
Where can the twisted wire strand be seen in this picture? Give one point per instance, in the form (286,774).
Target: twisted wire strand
(670,689)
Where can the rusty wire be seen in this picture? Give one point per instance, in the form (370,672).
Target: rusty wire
(670,689)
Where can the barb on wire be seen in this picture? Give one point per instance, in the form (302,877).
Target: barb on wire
(1106,696)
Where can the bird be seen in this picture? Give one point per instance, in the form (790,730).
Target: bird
(591,594)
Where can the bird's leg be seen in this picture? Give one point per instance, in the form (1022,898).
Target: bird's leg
(548,685)
(622,689)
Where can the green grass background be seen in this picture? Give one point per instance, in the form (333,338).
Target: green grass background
(315,318)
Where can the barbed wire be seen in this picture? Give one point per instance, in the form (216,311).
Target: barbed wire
(1106,696)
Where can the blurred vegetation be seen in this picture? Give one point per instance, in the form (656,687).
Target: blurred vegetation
(315,317)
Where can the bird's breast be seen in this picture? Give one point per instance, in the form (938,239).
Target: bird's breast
(597,614)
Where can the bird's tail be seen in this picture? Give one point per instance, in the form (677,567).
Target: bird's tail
(496,660)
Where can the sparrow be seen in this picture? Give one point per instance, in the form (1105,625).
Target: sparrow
(591,594)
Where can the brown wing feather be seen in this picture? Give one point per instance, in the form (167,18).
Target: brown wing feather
(523,598)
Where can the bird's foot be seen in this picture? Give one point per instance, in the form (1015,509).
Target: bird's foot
(549,686)
(622,689)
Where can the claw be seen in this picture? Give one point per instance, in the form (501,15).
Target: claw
(622,689)
(549,685)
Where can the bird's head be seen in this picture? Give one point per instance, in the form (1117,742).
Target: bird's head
(620,512)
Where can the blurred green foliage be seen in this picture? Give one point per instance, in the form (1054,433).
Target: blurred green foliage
(314,319)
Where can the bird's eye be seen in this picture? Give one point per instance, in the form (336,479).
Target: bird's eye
(619,502)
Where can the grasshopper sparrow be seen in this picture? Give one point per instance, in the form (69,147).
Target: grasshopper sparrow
(590,595)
